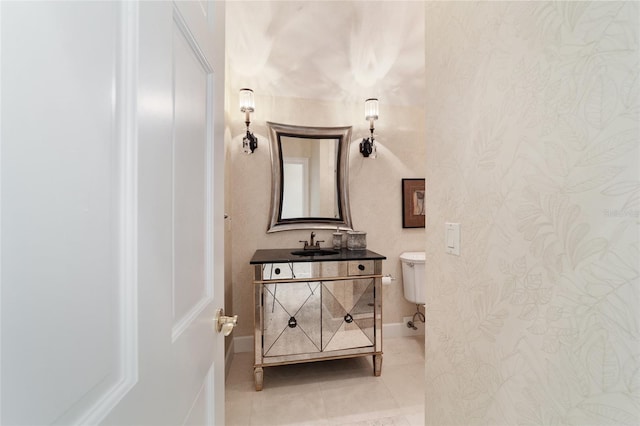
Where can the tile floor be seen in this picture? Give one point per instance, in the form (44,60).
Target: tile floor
(339,392)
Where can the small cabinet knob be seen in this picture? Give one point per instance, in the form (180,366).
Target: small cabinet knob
(292,322)
(361,267)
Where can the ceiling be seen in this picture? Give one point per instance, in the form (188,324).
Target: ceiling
(343,51)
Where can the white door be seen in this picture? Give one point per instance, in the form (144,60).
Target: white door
(111,220)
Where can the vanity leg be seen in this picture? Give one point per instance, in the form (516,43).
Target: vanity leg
(377,364)
(257,375)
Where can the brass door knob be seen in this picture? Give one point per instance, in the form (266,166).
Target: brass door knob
(223,323)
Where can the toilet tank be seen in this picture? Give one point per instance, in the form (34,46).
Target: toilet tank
(413,279)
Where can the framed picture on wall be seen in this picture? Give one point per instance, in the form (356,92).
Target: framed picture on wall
(413,203)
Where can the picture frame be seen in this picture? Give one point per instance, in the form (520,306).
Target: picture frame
(413,203)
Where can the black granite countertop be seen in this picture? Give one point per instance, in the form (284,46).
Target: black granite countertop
(285,255)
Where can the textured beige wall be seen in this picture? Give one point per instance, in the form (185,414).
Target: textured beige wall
(375,189)
(533,146)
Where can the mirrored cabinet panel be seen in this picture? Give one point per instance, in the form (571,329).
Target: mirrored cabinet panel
(291,318)
(348,314)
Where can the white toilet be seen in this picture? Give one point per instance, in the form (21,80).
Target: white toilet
(413,282)
(413,276)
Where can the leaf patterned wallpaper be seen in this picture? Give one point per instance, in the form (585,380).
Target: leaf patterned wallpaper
(532,133)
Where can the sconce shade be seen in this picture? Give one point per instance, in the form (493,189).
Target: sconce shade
(247,104)
(371,109)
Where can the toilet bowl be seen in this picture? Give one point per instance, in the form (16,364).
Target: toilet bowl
(413,277)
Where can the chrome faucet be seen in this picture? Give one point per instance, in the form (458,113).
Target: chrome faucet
(313,245)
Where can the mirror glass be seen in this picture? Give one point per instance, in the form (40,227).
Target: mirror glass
(309,171)
(309,177)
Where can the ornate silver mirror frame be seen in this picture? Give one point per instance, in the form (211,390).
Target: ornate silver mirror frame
(342,217)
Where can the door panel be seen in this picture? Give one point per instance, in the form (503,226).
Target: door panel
(62,212)
(191,284)
(110,267)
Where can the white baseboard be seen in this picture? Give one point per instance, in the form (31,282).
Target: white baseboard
(398,329)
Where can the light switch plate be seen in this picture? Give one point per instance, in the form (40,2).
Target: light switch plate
(452,238)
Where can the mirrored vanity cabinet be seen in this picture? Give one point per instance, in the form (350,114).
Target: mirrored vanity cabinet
(316,306)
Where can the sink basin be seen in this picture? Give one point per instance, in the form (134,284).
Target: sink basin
(320,252)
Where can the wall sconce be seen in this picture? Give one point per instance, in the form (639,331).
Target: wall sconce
(368,146)
(247,105)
